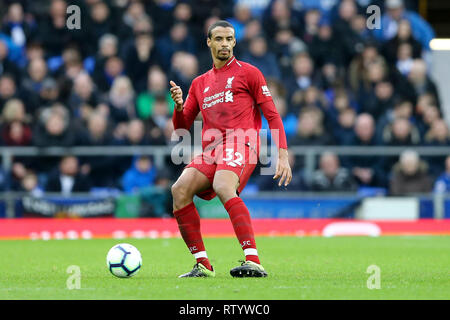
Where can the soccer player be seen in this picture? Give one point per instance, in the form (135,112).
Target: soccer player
(230,97)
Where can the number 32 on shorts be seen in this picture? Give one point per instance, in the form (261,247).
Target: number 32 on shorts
(229,158)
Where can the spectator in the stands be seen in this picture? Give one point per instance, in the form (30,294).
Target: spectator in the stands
(30,185)
(241,17)
(344,129)
(156,88)
(184,69)
(54,128)
(410,175)
(365,169)
(16,26)
(325,45)
(6,65)
(36,73)
(112,68)
(139,58)
(289,119)
(404,35)
(101,23)
(259,56)
(178,39)
(310,130)
(141,174)
(442,183)
(430,115)
(121,99)
(281,17)
(8,89)
(108,46)
(396,12)
(331,176)
(303,74)
(381,100)
(83,92)
(68,179)
(401,133)
(15,130)
(420,82)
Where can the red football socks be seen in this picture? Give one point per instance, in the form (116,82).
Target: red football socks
(240,218)
(189,224)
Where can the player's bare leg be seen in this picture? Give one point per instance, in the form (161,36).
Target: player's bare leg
(188,184)
(225,184)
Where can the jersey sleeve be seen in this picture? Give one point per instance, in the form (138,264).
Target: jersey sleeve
(257,86)
(184,119)
(275,123)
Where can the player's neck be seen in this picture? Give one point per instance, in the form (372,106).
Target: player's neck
(220,63)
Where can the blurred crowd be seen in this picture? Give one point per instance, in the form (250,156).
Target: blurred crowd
(333,80)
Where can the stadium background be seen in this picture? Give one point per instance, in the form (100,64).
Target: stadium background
(86,113)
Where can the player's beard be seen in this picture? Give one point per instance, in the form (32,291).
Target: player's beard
(223,57)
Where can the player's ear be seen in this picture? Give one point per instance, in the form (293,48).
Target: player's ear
(208,42)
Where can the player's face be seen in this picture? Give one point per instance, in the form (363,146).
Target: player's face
(222,43)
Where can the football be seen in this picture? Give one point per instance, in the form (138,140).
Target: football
(124,260)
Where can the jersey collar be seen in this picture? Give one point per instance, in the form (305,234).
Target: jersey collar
(227,66)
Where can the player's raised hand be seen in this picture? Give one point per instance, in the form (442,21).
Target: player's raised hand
(177,95)
(283,170)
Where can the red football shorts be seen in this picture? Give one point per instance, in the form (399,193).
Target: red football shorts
(237,157)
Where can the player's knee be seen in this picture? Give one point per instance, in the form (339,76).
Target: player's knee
(180,191)
(224,190)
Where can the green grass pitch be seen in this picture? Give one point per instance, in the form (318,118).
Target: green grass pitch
(299,268)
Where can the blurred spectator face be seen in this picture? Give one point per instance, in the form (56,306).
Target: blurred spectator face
(404,30)
(178,32)
(280,10)
(423,101)
(55,124)
(143,164)
(34,51)
(242,13)
(258,47)
(97,124)
(144,44)
(347,118)
(29,181)
(358,23)
(311,95)
(440,130)
(309,123)
(157,81)
(252,29)
(284,36)
(13,110)
(136,10)
(375,72)
(325,32)
(409,162)
(160,108)
(404,51)
(303,65)
(49,90)
(143,25)
(341,101)
(369,54)
(83,86)
(430,115)
(69,166)
(403,110)
(99,12)
(17,132)
(418,71)
(15,13)
(384,90)
(329,164)
(168,130)
(312,18)
(7,87)
(183,12)
(186,64)
(347,10)
(37,70)
(58,13)
(121,93)
(401,129)
(208,23)
(394,8)
(135,131)
(447,164)
(114,66)
(365,127)
(108,45)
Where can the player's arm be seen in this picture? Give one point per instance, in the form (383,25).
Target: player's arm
(185,112)
(258,88)
(283,169)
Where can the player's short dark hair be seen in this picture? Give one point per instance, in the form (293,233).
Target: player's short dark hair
(220,23)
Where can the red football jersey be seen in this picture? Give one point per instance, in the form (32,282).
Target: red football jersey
(230,98)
